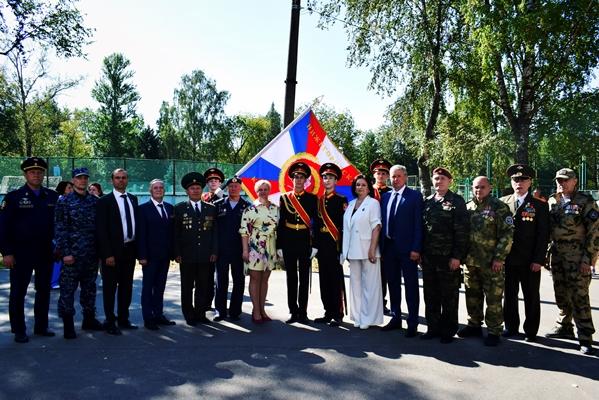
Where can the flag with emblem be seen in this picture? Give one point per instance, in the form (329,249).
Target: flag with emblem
(303,140)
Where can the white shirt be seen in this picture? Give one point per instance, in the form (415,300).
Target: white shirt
(193,204)
(156,204)
(121,204)
(397,193)
(520,200)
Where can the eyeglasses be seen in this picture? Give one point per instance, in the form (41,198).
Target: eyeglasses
(520,178)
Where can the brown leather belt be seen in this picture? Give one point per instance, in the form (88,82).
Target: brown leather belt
(297,227)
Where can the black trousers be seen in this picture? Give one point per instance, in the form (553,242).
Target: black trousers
(297,259)
(222,287)
(441,288)
(330,274)
(20,277)
(117,281)
(195,289)
(516,276)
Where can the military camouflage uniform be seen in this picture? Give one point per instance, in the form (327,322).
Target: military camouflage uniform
(446,235)
(75,227)
(575,240)
(491,235)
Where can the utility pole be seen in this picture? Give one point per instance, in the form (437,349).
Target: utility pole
(290,82)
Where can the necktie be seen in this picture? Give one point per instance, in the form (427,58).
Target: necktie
(197,210)
(128,217)
(162,212)
(517,204)
(391,217)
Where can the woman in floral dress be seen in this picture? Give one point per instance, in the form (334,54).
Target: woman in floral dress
(258,235)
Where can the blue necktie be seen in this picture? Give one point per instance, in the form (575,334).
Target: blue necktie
(391,220)
(197,210)
(162,211)
(128,217)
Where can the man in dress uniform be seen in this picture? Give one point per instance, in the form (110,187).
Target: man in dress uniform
(491,235)
(195,248)
(27,229)
(298,210)
(229,211)
(115,233)
(76,238)
(331,207)
(444,246)
(155,252)
(214,177)
(527,257)
(574,219)
(380,170)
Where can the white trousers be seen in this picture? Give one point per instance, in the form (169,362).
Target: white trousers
(366,300)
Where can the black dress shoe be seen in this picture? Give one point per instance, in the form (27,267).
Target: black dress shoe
(391,326)
(323,320)
(429,336)
(162,320)
(202,319)
(411,332)
(111,329)
(21,338)
(152,326)
(218,318)
(191,322)
(45,332)
(510,333)
(294,318)
(303,319)
(335,322)
(470,331)
(127,325)
(387,312)
(531,339)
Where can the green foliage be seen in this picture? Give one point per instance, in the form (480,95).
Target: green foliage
(115,126)
(56,24)
(148,144)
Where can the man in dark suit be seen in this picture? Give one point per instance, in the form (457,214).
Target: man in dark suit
(115,231)
(196,247)
(527,257)
(295,240)
(154,251)
(401,212)
(230,209)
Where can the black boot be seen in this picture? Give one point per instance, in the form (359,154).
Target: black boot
(69,327)
(90,323)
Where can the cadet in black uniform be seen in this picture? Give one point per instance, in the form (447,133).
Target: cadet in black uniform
(27,229)
(295,240)
(195,245)
(213,177)
(380,171)
(230,209)
(331,207)
(523,264)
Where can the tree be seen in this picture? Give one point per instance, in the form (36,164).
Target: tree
(10,143)
(71,141)
(56,24)
(116,124)
(529,53)
(274,119)
(149,144)
(403,41)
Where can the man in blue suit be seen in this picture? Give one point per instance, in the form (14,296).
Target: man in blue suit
(155,250)
(401,212)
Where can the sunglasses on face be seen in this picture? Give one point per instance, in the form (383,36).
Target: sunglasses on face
(520,179)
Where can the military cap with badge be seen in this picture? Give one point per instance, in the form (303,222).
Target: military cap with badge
(380,165)
(330,169)
(193,178)
(299,168)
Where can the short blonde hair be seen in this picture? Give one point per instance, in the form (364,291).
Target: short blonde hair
(260,183)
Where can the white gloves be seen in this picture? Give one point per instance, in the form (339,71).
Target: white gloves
(341,259)
(314,251)
(280,253)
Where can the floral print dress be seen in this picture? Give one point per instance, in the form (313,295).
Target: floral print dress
(259,223)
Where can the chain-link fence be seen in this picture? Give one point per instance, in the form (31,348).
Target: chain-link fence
(141,172)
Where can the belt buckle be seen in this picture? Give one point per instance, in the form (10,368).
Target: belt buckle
(297,227)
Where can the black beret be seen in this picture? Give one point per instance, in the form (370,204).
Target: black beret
(34,163)
(214,173)
(193,178)
(520,170)
(299,167)
(380,165)
(330,169)
(442,171)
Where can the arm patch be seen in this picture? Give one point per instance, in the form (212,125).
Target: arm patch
(593,215)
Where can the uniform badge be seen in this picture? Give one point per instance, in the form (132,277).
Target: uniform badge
(593,215)
(509,220)
(447,206)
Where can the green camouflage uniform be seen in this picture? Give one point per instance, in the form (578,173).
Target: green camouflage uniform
(575,240)
(491,235)
(446,236)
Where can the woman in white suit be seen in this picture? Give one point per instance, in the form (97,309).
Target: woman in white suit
(361,227)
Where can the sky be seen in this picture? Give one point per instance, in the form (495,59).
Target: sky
(241,44)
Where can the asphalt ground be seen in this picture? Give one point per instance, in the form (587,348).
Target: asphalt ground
(228,360)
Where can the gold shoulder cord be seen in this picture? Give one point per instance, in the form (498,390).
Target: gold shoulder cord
(284,196)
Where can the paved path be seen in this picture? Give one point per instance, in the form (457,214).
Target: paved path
(277,361)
